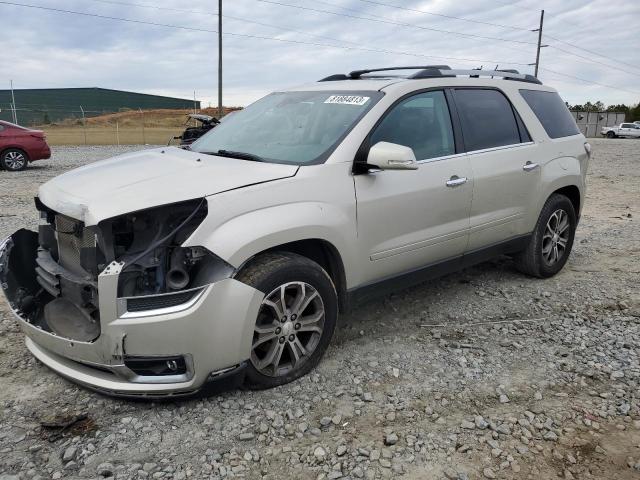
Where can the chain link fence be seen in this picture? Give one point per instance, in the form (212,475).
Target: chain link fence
(85,126)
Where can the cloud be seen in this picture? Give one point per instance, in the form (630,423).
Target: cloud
(51,49)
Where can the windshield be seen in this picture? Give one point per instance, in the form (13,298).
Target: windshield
(300,128)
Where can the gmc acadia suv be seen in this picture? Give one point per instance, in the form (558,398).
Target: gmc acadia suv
(165,271)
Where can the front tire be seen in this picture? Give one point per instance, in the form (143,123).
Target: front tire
(13,160)
(550,244)
(611,135)
(296,320)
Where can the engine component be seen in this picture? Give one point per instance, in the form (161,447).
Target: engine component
(177,276)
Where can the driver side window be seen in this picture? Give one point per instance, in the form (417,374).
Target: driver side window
(420,122)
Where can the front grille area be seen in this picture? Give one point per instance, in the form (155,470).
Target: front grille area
(72,238)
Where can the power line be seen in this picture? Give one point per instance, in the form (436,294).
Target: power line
(270,25)
(589,81)
(557,16)
(156,7)
(398,24)
(259,37)
(442,15)
(523,7)
(590,51)
(635,74)
(200,12)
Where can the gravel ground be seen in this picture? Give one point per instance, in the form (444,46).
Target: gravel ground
(481,374)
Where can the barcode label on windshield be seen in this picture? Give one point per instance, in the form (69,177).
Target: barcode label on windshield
(347,100)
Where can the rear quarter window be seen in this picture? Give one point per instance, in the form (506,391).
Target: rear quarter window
(552,112)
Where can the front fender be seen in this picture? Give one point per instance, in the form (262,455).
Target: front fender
(242,237)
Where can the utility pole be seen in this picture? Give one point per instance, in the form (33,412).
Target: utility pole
(13,105)
(219,58)
(84,124)
(539,30)
(144,137)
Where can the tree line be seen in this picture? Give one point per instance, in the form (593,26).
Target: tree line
(631,112)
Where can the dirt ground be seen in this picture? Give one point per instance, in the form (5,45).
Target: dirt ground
(130,127)
(481,374)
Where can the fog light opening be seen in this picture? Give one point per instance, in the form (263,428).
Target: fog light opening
(156,366)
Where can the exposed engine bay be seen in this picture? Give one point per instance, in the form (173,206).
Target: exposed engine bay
(58,291)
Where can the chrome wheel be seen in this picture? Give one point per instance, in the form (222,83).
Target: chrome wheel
(556,237)
(289,327)
(14,160)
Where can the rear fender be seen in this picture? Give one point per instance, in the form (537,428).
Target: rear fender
(559,173)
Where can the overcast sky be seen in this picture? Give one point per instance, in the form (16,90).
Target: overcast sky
(43,49)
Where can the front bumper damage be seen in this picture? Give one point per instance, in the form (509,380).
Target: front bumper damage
(211,333)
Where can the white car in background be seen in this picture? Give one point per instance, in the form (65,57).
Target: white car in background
(631,130)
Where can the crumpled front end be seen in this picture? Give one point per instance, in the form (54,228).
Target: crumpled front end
(122,307)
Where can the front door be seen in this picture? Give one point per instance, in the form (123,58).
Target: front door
(412,218)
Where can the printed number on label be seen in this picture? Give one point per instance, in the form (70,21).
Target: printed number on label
(347,99)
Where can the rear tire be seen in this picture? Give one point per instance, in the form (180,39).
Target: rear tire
(13,160)
(550,244)
(289,341)
(611,135)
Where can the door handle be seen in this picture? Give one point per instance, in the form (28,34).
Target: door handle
(456,181)
(530,166)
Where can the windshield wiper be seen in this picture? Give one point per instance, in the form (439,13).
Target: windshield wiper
(240,155)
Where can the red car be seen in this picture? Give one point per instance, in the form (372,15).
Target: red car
(20,145)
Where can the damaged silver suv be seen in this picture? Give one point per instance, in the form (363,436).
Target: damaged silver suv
(166,271)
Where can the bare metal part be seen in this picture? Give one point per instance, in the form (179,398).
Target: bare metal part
(177,276)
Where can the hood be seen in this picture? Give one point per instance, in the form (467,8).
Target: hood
(150,178)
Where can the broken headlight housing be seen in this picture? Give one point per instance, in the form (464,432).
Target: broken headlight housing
(149,243)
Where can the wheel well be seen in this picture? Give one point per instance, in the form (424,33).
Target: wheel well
(572,193)
(15,148)
(325,255)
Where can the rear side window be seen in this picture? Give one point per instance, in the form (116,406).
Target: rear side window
(552,113)
(487,118)
(628,125)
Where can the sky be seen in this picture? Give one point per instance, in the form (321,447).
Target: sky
(270,45)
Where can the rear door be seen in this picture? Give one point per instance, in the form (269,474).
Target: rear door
(408,219)
(503,163)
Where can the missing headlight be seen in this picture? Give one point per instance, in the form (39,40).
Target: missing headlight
(149,243)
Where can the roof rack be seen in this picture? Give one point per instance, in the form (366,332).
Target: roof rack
(357,74)
(439,71)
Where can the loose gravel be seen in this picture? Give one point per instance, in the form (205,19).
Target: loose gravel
(481,374)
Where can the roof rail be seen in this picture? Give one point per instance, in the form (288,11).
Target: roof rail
(358,73)
(439,71)
(506,74)
(334,78)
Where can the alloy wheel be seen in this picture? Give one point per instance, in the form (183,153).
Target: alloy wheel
(14,160)
(556,237)
(289,327)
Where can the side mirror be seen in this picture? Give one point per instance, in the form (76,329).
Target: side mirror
(391,156)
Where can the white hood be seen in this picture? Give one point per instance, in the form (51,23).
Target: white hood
(150,178)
